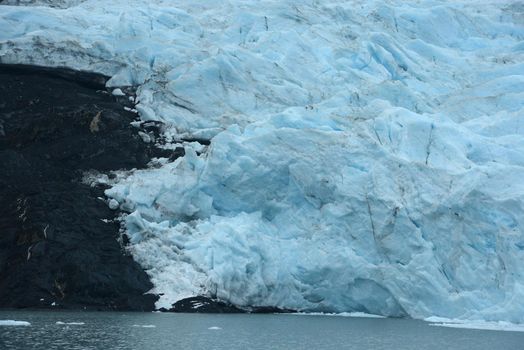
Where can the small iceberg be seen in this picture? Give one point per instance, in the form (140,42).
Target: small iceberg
(214,328)
(476,324)
(145,325)
(70,323)
(14,323)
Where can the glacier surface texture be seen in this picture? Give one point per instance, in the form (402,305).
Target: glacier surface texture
(365,156)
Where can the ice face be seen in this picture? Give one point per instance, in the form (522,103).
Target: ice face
(365,157)
(331,220)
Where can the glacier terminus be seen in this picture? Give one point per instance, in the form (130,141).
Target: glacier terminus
(364,156)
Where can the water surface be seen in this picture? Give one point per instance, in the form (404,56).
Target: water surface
(151,331)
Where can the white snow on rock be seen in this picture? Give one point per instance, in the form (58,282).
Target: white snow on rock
(365,156)
(113,204)
(118,92)
(14,323)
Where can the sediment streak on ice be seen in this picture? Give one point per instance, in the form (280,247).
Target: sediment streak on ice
(365,156)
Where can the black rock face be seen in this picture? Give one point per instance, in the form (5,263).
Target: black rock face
(55,251)
(202,304)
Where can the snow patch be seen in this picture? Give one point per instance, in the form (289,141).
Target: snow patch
(132,110)
(118,92)
(113,204)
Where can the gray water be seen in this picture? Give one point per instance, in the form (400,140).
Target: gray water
(104,330)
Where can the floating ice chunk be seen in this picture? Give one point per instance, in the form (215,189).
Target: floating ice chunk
(215,328)
(475,324)
(144,325)
(70,323)
(14,323)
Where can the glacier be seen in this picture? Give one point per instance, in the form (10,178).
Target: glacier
(364,156)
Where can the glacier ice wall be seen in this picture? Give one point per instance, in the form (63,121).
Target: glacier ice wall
(365,156)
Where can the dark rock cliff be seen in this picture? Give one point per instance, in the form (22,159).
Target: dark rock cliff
(55,251)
